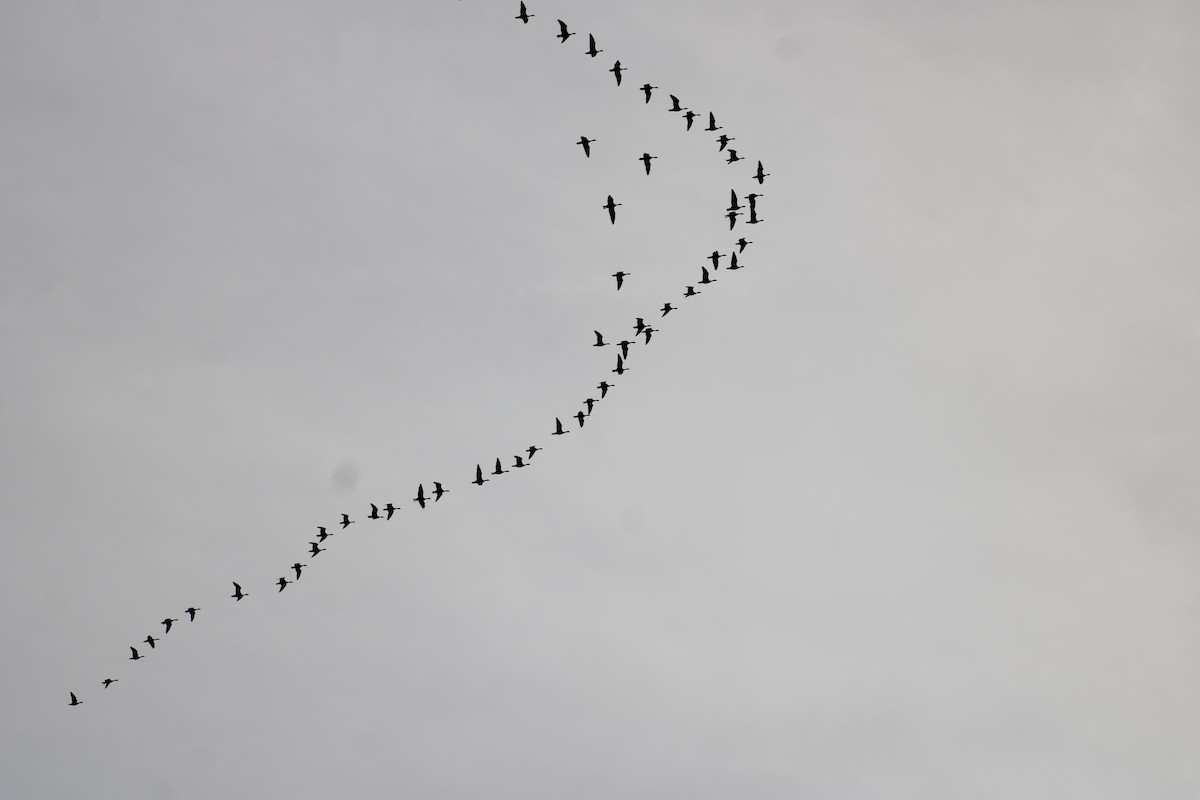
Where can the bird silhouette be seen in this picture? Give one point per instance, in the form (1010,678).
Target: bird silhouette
(760,175)
(374,512)
(645,159)
(603,386)
(346,521)
(675,104)
(592,51)
(639,325)
(238,594)
(715,258)
(136,655)
(479,479)
(499,470)
(322,534)
(648,89)
(734,205)
(167,624)
(733,156)
(150,640)
(599,340)
(616,70)
(315,549)
(743,244)
(704,276)
(558,428)
(733,262)
(283,582)
(624,345)
(650,331)
(712,123)
(533,448)
(390,509)
(732,217)
(723,141)
(612,209)
(690,291)
(589,403)
(667,309)
(620,368)
(191,612)
(438,491)
(298,566)
(579,415)
(752,199)
(420,498)
(586,144)
(519,462)
(754,219)
(563,33)
(109,682)
(620,276)
(524,16)
(75,701)
(690,116)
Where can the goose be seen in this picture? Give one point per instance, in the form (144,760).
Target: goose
(75,701)
(346,521)
(191,612)
(558,428)
(592,51)
(374,512)
(715,258)
(620,276)
(732,217)
(733,262)
(690,116)
(603,386)
(315,549)
(647,88)
(724,140)
(616,70)
(649,331)
(298,566)
(136,655)
(420,498)
(600,340)
(704,279)
(519,462)
(438,491)
(612,210)
(752,198)
(499,470)
(712,123)
(533,448)
(690,291)
(734,205)
(579,415)
(109,682)
(322,534)
(667,309)
(624,345)
(238,594)
(524,16)
(167,624)
(390,509)
(620,368)
(586,144)
(479,479)
(150,640)
(563,33)
(589,403)
(743,244)
(645,159)
(733,156)
(639,325)
(283,582)
(754,220)
(760,175)
(675,104)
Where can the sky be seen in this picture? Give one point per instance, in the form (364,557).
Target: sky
(904,509)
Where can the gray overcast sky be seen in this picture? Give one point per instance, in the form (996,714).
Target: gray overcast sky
(904,509)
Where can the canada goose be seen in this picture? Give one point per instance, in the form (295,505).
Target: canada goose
(346,521)
(704,279)
(589,403)
(690,291)
(420,498)
(374,512)
(533,448)
(732,217)
(558,428)
(238,594)
(733,156)
(620,276)
(191,612)
(519,462)
(616,70)
(390,509)
(639,325)
(603,386)
(586,144)
(734,205)
(579,415)
(563,33)
(499,470)
(667,309)
(645,159)
(724,140)
(298,566)
(742,244)
(624,345)
(733,262)
(752,198)
(715,258)
(760,175)
(438,491)
(712,123)
(524,16)
(599,340)
(109,682)
(675,104)
(620,369)
(592,51)
(315,549)
(649,331)
(479,479)
(612,210)
(690,116)
(167,624)
(75,701)
(322,534)
(647,88)
(150,640)
(136,655)
(283,582)
(754,220)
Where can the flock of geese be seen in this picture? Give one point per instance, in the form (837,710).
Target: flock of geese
(524,459)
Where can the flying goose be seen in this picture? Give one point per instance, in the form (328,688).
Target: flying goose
(420,498)
(616,70)
(191,612)
(563,33)
(238,594)
(75,701)
(645,159)
(592,51)
(612,210)
(558,428)
(479,479)
(315,549)
(586,144)
(524,16)
(167,624)
(346,521)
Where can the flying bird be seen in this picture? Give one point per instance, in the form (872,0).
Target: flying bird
(724,140)
(558,428)
(533,448)
(667,309)
(589,403)
(704,276)
(712,123)
(620,276)
(283,582)
(499,470)
(715,258)
(620,368)
(592,51)
(624,344)
(586,144)
(690,291)
(298,566)
(136,655)
(524,16)
(647,88)
(374,512)
(742,244)
(191,612)
(109,682)
(733,262)
(603,386)
(563,33)
(390,509)
(519,462)
(650,331)
(600,340)
(479,479)
(420,498)
(733,156)
(150,640)
(734,205)
(675,104)
(645,159)
(612,209)
(732,217)
(690,116)
(238,594)
(760,175)
(616,70)
(579,415)
(438,491)
(752,198)
(167,624)
(346,521)
(315,549)
(754,220)
(639,325)
(75,701)
(322,534)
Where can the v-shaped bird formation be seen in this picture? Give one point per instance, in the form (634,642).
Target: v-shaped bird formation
(525,457)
